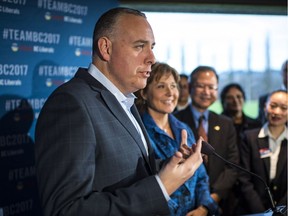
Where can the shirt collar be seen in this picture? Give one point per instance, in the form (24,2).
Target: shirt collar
(128,100)
(196,114)
(264,132)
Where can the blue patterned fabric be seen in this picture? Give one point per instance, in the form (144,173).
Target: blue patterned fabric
(195,191)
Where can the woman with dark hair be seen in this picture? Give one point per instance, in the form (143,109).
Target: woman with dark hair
(156,102)
(264,152)
(232,100)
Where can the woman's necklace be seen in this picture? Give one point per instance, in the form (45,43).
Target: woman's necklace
(165,128)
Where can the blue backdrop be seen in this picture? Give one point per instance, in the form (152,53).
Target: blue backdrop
(43,42)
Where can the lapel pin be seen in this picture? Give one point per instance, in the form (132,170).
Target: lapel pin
(217,128)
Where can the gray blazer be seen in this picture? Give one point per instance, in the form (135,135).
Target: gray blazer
(90,159)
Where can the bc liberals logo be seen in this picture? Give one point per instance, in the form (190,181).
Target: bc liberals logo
(40,49)
(49,17)
(14,47)
(81,52)
(49,82)
(53,82)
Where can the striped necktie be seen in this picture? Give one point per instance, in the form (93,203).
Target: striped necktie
(201,130)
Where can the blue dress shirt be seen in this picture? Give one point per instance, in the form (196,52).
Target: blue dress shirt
(195,191)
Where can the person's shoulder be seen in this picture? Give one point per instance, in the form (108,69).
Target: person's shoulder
(252,132)
(219,117)
(179,123)
(182,113)
(252,122)
(82,81)
(78,87)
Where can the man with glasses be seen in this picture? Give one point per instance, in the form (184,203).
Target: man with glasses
(219,132)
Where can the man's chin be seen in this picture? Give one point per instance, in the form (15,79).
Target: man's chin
(201,106)
(142,85)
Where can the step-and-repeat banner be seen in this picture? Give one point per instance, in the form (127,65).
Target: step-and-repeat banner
(42,43)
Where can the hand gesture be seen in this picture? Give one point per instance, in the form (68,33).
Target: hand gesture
(179,169)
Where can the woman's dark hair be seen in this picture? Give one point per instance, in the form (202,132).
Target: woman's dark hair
(274,92)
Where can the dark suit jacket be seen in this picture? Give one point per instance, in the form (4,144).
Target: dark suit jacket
(247,124)
(222,136)
(254,190)
(90,159)
(261,103)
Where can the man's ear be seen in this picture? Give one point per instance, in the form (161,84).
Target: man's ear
(105,48)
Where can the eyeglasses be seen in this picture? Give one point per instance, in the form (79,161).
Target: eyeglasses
(203,87)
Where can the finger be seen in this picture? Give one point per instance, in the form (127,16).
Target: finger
(186,147)
(198,146)
(195,156)
(185,150)
(184,137)
(185,153)
(176,159)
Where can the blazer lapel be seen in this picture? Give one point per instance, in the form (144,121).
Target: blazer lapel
(117,110)
(264,144)
(190,121)
(214,129)
(120,114)
(282,158)
(150,150)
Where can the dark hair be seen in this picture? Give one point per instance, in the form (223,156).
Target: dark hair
(184,76)
(201,69)
(158,70)
(284,66)
(227,88)
(106,24)
(274,92)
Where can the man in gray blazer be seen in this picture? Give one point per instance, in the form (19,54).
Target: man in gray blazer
(93,156)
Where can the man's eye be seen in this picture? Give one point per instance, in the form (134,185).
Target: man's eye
(140,46)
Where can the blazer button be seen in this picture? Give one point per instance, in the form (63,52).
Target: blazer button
(275,188)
